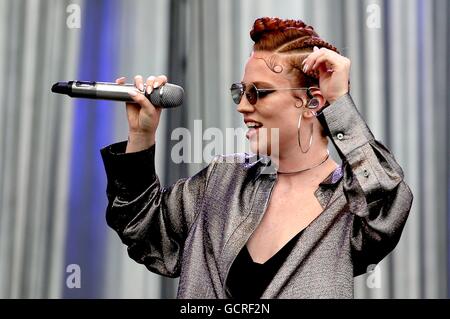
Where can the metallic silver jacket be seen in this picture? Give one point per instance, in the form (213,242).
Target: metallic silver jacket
(196,228)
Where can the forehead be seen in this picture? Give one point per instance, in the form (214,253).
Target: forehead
(259,67)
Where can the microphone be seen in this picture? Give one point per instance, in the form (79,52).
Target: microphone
(166,96)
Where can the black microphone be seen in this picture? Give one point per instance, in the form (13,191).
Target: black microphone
(166,96)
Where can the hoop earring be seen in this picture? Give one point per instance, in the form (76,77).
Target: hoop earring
(299,135)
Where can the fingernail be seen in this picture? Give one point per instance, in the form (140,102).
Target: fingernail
(141,87)
(132,93)
(315,48)
(156,84)
(305,68)
(149,89)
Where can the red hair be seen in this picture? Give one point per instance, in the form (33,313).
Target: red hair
(292,39)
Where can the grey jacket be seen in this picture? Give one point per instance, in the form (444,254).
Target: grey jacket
(196,228)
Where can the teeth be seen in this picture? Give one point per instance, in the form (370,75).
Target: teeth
(253,124)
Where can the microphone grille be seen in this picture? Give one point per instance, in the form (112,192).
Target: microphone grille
(167,96)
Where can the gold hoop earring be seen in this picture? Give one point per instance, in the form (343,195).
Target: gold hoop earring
(299,135)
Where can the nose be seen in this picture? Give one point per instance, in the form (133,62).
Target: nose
(244,106)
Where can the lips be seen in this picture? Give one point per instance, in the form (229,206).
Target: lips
(251,123)
(252,126)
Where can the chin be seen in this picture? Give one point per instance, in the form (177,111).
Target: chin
(260,148)
(265,141)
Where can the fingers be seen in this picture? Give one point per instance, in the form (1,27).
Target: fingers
(153,82)
(150,84)
(324,59)
(121,80)
(138,97)
(139,83)
(311,60)
(324,63)
(160,80)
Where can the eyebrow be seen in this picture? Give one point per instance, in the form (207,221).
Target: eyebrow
(263,85)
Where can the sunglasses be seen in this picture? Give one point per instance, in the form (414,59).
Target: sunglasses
(252,93)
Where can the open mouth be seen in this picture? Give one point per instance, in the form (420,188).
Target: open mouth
(252,128)
(253,125)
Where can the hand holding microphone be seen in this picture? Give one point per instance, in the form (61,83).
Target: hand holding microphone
(166,96)
(144,102)
(143,116)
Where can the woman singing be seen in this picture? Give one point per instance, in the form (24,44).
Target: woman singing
(238,229)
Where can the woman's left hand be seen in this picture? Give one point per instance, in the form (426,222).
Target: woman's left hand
(334,72)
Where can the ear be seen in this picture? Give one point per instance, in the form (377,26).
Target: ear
(314,104)
(317,94)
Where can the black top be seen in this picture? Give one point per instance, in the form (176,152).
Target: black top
(248,279)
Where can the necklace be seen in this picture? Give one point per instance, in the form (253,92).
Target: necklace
(307,169)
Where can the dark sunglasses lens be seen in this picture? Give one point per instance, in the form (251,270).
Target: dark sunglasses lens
(252,95)
(236,92)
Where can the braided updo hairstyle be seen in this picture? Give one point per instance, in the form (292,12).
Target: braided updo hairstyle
(291,39)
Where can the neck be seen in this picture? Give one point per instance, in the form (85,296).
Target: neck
(310,165)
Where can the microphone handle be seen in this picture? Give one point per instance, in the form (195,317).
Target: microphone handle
(166,96)
(109,91)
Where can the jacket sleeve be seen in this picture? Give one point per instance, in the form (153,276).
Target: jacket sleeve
(151,220)
(373,184)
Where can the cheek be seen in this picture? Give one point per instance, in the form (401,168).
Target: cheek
(287,124)
(281,114)
(279,133)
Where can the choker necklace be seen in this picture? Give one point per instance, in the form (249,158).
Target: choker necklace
(307,169)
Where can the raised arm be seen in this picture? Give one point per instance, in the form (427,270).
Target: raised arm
(373,181)
(373,184)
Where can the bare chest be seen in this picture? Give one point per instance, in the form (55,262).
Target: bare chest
(288,213)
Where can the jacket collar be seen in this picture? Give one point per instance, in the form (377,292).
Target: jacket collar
(333,178)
